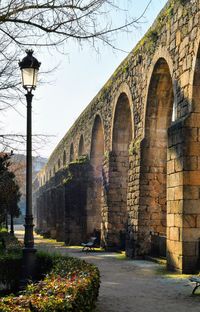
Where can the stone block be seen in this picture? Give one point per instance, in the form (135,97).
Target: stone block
(170,245)
(174,261)
(190,234)
(190,163)
(189,221)
(191,206)
(178,220)
(193,120)
(184,79)
(175,179)
(174,233)
(191,177)
(191,192)
(177,248)
(175,206)
(170,220)
(178,38)
(170,193)
(178,164)
(192,149)
(170,167)
(178,192)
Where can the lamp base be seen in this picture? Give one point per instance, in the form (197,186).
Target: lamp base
(28,265)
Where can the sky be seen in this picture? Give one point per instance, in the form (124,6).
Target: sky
(81,73)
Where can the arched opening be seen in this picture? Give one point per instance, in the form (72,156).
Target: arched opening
(95,190)
(97,147)
(58,163)
(64,158)
(196,84)
(121,138)
(81,147)
(158,119)
(71,155)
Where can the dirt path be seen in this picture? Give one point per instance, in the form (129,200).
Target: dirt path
(130,285)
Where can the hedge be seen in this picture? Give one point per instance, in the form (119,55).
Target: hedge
(71,285)
(10,262)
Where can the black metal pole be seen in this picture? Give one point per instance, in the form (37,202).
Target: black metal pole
(29,250)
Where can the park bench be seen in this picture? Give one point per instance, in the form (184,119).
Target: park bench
(90,245)
(196,280)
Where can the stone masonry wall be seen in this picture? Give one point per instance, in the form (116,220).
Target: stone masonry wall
(169,50)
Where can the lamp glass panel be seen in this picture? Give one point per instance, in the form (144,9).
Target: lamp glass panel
(28,77)
(35,77)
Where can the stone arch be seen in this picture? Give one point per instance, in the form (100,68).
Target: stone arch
(95,189)
(81,146)
(71,154)
(122,135)
(153,194)
(123,89)
(64,158)
(161,53)
(97,145)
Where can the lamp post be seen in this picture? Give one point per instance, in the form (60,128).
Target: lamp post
(29,69)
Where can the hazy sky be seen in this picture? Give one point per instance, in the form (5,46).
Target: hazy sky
(81,74)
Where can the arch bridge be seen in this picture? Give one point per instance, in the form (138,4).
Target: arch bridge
(129,167)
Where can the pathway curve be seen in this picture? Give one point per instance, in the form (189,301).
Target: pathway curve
(132,285)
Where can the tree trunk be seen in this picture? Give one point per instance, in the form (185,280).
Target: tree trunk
(6,221)
(11,224)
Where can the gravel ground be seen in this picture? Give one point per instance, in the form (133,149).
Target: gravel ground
(132,285)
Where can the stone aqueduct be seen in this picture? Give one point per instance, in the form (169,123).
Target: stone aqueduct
(130,164)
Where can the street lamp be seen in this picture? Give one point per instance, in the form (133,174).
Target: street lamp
(29,69)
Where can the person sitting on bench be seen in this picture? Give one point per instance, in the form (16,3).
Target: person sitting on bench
(90,245)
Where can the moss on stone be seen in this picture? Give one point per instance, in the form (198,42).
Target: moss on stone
(68,178)
(83,159)
(134,147)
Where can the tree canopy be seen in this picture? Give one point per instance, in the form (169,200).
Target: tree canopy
(51,23)
(26,23)
(9,190)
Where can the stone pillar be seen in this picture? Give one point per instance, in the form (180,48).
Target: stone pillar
(94,201)
(60,213)
(115,213)
(145,189)
(75,195)
(183,207)
(132,242)
(175,196)
(105,225)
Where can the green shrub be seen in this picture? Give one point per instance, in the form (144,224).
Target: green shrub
(10,264)
(44,263)
(3,229)
(70,285)
(9,242)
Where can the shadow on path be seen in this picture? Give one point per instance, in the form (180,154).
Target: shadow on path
(131,285)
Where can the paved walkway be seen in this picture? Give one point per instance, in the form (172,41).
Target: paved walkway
(130,285)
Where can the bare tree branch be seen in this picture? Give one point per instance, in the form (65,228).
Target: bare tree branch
(51,23)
